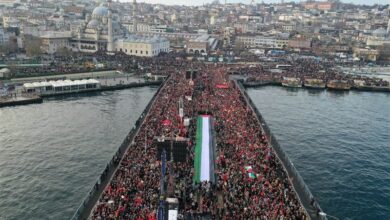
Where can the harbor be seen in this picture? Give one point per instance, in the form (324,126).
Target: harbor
(314,158)
(33,90)
(309,74)
(338,86)
(194,110)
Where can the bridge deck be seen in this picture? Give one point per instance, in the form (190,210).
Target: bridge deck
(233,111)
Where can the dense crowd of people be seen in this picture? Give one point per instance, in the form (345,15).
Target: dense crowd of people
(250,182)
(303,69)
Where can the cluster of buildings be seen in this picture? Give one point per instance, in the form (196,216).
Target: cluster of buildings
(326,28)
(80,30)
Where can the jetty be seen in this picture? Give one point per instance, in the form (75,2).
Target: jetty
(34,93)
(6,101)
(200,149)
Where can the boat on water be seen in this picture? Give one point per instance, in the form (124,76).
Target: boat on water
(338,85)
(314,84)
(291,82)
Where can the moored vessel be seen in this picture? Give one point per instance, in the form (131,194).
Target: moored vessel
(314,84)
(291,82)
(338,85)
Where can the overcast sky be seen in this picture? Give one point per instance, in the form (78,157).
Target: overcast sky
(200,2)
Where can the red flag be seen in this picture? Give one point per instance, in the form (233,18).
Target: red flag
(166,122)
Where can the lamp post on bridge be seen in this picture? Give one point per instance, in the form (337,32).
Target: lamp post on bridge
(324,216)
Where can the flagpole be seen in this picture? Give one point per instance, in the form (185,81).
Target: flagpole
(145,141)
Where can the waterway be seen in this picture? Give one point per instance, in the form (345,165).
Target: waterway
(52,153)
(339,142)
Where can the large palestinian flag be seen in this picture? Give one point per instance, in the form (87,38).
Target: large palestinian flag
(203,150)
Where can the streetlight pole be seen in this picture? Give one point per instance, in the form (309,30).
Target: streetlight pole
(324,216)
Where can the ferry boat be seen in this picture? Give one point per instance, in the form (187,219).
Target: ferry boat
(61,87)
(291,82)
(314,84)
(338,85)
(361,85)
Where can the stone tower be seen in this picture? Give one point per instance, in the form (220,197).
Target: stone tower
(388,26)
(134,14)
(110,40)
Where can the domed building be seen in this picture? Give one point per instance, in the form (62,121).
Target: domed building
(379,37)
(102,31)
(99,31)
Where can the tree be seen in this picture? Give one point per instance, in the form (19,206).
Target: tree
(9,47)
(32,46)
(63,52)
(238,47)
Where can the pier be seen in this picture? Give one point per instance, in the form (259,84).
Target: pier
(19,100)
(146,179)
(25,99)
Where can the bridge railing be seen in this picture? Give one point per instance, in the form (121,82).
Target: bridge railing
(306,198)
(93,195)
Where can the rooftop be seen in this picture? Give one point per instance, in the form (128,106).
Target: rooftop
(144,39)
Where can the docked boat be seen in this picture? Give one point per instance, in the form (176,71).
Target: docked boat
(314,84)
(61,87)
(291,82)
(338,85)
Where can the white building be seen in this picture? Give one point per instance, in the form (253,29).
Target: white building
(10,21)
(103,31)
(53,41)
(145,28)
(379,37)
(142,46)
(262,41)
(4,36)
(202,44)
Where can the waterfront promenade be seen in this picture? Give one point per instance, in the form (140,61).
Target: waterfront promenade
(266,191)
(310,74)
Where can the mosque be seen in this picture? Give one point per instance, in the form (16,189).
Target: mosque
(99,31)
(102,31)
(379,37)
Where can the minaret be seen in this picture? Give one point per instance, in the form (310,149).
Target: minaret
(388,27)
(110,43)
(135,16)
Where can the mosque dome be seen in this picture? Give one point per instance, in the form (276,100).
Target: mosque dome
(381,32)
(93,23)
(5,71)
(100,11)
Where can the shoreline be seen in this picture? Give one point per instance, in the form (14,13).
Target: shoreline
(301,189)
(39,99)
(90,201)
(353,88)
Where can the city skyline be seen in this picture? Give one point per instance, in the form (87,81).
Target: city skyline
(200,2)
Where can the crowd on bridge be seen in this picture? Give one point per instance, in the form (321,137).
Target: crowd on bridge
(250,181)
(134,191)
